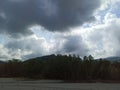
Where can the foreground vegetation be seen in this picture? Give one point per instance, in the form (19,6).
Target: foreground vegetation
(62,67)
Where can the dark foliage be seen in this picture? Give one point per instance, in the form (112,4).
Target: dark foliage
(63,67)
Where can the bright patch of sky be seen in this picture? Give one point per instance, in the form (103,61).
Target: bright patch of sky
(40,32)
(2,39)
(116,9)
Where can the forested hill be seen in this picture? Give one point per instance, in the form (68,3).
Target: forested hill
(111,59)
(62,67)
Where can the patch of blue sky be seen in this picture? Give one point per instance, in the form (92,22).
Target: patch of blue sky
(100,46)
(2,39)
(103,12)
(86,25)
(116,9)
(44,34)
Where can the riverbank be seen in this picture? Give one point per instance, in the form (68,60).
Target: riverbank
(12,84)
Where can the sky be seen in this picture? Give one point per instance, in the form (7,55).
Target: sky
(33,28)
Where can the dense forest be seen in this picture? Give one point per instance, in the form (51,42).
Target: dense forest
(62,67)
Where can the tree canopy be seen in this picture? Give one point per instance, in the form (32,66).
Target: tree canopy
(62,67)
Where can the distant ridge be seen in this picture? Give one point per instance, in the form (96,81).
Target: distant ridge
(113,59)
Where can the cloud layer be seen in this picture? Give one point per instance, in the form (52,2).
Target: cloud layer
(32,28)
(16,16)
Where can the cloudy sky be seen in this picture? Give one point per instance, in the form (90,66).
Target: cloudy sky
(33,28)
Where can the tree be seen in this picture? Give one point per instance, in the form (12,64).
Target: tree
(13,68)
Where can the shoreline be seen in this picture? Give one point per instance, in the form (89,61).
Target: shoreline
(7,79)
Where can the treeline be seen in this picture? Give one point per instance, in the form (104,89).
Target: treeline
(62,67)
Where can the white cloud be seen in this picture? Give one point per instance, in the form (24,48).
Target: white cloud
(4,52)
(33,45)
(102,39)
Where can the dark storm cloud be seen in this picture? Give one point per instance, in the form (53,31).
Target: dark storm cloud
(53,15)
(75,44)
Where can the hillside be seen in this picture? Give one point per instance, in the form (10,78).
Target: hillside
(113,59)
